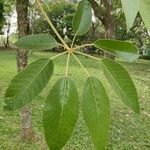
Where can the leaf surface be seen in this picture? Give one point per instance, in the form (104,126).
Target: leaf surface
(37,42)
(130,9)
(145,12)
(124,50)
(95,107)
(122,83)
(83,18)
(28,83)
(60,113)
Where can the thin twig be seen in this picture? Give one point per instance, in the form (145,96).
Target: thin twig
(73,41)
(50,23)
(59,55)
(82,46)
(95,58)
(81,65)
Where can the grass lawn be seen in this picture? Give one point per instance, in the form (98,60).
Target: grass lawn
(128,131)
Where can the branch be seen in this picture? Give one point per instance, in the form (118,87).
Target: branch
(50,23)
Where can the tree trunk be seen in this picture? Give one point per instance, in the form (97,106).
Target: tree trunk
(27,132)
(7,38)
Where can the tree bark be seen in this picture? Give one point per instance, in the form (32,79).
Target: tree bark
(109,20)
(27,132)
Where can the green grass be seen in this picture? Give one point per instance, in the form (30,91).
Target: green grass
(128,131)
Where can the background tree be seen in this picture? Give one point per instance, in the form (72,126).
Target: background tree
(1,15)
(9,7)
(8,11)
(22,62)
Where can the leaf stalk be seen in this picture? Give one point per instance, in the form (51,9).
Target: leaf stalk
(50,23)
(81,64)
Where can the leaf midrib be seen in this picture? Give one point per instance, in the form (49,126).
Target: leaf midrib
(62,111)
(95,102)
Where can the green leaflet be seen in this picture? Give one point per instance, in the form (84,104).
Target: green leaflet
(124,50)
(122,83)
(145,12)
(28,83)
(37,42)
(83,18)
(130,9)
(95,107)
(60,113)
